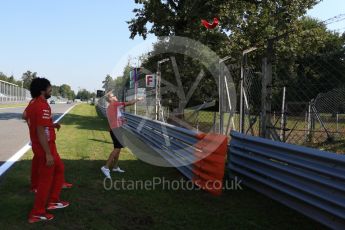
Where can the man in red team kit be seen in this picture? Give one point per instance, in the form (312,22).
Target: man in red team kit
(34,168)
(47,163)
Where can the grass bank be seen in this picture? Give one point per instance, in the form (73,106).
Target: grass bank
(84,144)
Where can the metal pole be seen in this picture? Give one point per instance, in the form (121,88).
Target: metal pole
(266,104)
(310,125)
(263,99)
(283,118)
(220,89)
(241,97)
(221,92)
(135,90)
(337,122)
(159,109)
(157,90)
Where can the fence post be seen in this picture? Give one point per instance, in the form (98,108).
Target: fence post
(283,118)
(310,124)
(266,99)
(337,122)
(242,116)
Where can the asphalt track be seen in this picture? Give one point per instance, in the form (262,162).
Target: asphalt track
(14,133)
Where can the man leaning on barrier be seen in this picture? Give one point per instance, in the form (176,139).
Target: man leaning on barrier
(116,120)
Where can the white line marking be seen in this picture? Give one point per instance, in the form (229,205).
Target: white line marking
(57,120)
(8,164)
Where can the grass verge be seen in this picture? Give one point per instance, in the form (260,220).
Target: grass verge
(13,105)
(84,144)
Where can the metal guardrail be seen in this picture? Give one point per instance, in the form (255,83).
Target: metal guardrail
(199,157)
(307,180)
(155,134)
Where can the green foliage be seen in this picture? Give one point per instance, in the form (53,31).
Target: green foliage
(243,24)
(27,78)
(64,90)
(117,84)
(108,83)
(311,58)
(305,53)
(84,95)
(10,79)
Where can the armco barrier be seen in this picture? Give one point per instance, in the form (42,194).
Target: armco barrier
(307,180)
(202,156)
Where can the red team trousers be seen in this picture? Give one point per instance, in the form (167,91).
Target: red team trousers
(49,180)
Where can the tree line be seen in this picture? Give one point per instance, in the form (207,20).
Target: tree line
(64,90)
(306,56)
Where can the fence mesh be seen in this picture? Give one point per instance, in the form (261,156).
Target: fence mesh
(306,104)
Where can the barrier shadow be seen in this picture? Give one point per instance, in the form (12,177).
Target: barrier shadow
(10,116)
(85,122)
(18,116)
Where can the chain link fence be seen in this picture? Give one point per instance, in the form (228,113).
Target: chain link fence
(305,107)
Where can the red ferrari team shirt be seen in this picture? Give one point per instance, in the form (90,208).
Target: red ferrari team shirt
(114,114)
(38,113)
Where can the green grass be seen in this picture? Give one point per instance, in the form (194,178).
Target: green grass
(337,146)
(13,105)
(298,126)
(84,144)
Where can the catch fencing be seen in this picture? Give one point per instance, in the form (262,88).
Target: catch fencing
(295,107)
(12,93)
(304,106)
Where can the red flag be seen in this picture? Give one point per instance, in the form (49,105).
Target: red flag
(209,25)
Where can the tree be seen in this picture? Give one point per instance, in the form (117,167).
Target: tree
(27,78)
(56,91)
(312,57)
(118,84)
(66,91)
(243,24)
(108,83)
(84,95)
(10,79)
(125,75)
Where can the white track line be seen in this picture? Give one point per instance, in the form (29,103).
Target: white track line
(8,164)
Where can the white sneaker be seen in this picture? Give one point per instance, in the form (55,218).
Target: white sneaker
(118,170)
(106,172)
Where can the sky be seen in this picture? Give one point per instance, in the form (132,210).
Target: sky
(79,42)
